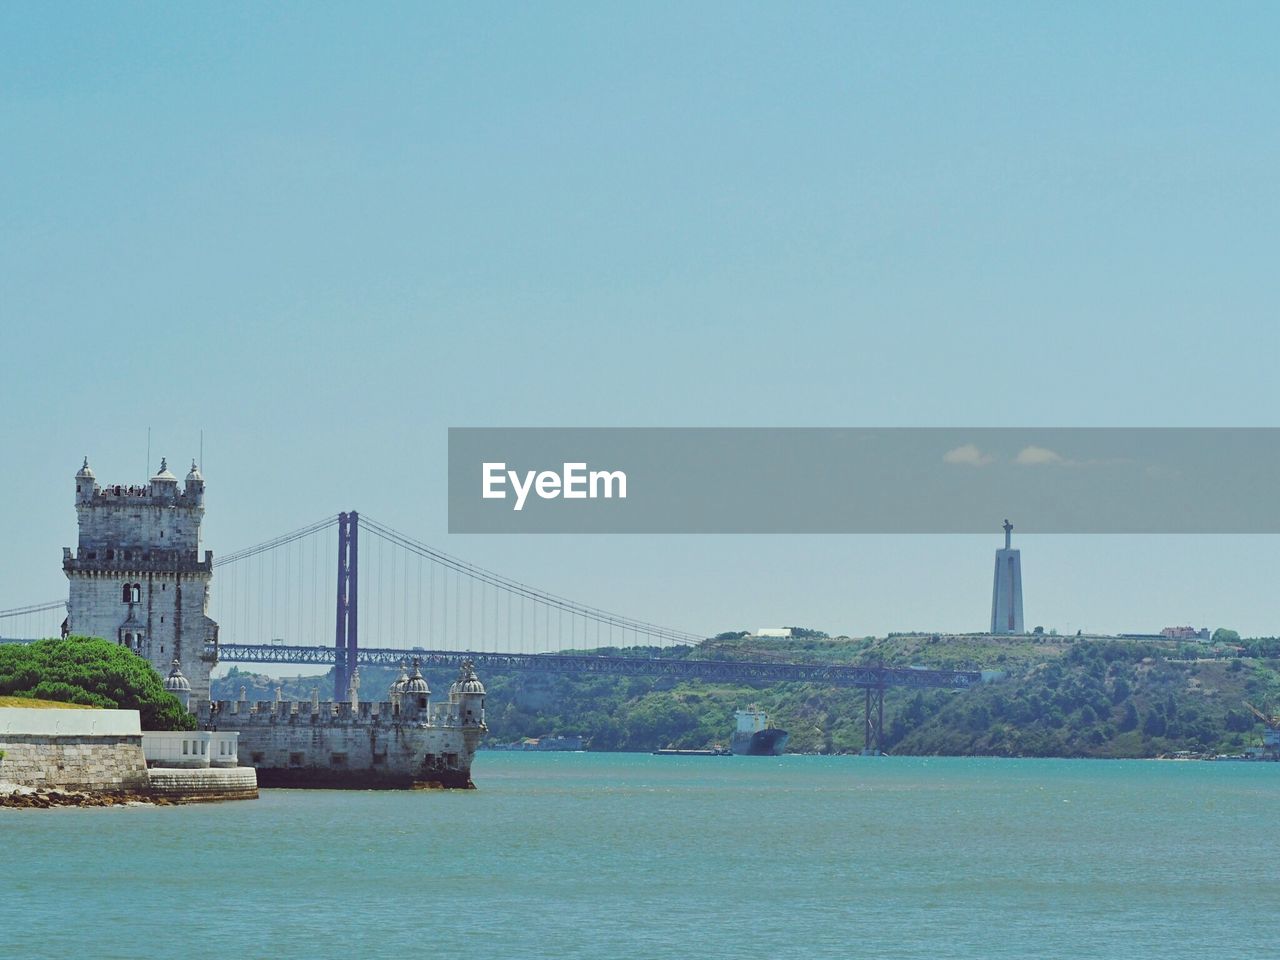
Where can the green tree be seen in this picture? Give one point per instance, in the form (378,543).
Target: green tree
(1120,692)
(1237,722)
(94,672)
(1155,724)
(1223,635)
(1130,720)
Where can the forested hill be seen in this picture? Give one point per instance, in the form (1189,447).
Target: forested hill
(1060,697)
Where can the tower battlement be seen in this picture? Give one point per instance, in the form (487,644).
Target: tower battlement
(158,516)
(242,713)
(149,495)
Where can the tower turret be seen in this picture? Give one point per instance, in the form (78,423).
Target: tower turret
(86,485)
(164,483)
(414,693)
(396,690)
(193,490)
(179,685)
(468,693)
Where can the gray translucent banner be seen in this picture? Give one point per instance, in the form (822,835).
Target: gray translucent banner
(864,480)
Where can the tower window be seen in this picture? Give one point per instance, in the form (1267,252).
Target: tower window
(137,593)
(126,595)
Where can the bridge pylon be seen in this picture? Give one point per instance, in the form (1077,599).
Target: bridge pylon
(346,634)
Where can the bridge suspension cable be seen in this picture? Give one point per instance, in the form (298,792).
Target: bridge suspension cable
(33,608)
(33,621)
(549,601)
(280,588)
(279,541)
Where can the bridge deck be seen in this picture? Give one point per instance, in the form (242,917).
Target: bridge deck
(836,675)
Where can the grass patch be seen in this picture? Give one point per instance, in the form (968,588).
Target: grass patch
(40,704)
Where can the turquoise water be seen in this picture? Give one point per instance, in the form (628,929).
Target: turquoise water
(628,856)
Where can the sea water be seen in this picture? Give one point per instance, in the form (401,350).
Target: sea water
(631,856)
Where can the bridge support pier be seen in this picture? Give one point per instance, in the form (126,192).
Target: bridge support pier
(873,722)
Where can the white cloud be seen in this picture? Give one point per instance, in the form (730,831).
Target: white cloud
(967,455)
(1037,457)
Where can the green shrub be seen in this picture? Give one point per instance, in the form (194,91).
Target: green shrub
(91,671)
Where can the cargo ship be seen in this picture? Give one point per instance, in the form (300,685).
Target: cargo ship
(753,737)
(677,752)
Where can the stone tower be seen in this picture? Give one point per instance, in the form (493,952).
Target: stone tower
(1006,592)
(137,577)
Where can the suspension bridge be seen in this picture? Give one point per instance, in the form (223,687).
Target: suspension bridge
(389,596)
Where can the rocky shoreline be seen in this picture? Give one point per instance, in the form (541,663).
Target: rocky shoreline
(42,798)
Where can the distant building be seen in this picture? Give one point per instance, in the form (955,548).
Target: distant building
(1186,633)
(1006,591)
(782,632)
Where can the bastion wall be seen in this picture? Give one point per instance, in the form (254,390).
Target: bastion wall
(101,752)
(89,751)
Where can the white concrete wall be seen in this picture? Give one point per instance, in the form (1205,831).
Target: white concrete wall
(51,721)
(190,748)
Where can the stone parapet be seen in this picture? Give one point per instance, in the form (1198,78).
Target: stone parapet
(28,721)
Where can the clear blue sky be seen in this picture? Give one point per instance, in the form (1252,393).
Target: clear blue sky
(326,233)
